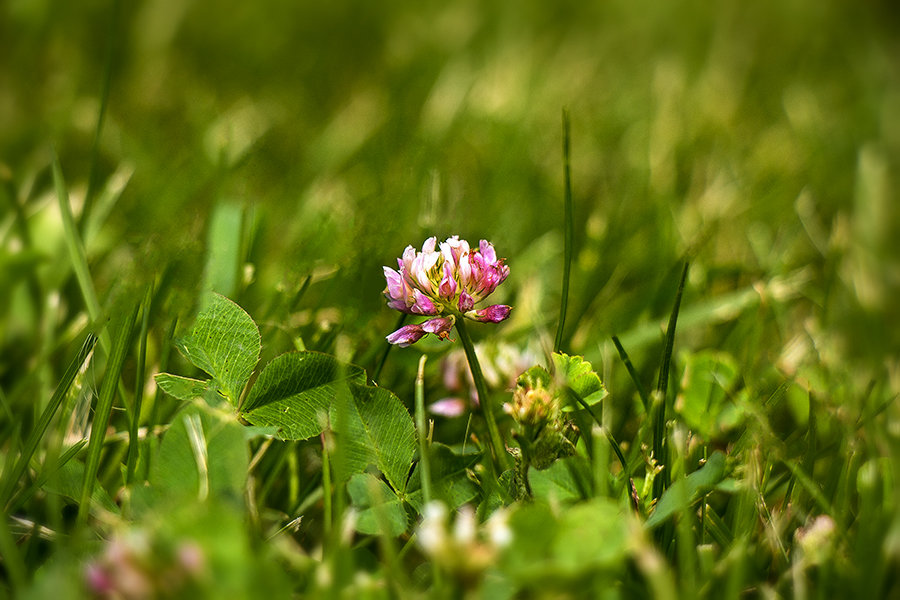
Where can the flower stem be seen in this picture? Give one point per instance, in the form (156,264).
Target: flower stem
(498,448)
(424,462)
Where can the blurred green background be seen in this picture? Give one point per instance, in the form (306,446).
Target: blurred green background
(758,140)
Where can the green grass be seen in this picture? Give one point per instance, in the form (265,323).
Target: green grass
(281,154)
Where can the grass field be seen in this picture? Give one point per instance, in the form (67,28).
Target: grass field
(697,205)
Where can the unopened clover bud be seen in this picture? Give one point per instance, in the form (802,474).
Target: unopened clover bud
(531,407)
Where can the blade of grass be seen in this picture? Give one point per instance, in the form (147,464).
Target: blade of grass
(93,172)
(21,226)
(811,488)
(165,353)
(76,247)
(224,252)
(660,447)
(43,423)
(645,398)
(106,201)
(568,228)
(717,528)
(424,462)
(400,320)
(13,561)
(45,475)
(133,442)
(4,404)
(295,301)
(327,488)
(102,412)
(606,432)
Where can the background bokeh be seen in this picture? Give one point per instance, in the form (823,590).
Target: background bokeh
(759,141)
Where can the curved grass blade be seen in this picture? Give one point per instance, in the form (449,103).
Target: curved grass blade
(93,172)
(607,433)
(46,474)
(645,398)
(43,423)
(13,560)
(102,412)
(660,448)
(400,320)
(75,245)
(133,442)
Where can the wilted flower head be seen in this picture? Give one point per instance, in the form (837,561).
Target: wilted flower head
(447,279)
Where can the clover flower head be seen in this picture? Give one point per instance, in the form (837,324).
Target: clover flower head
(444,281)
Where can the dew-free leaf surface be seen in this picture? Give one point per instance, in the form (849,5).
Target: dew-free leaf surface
(578,375)
(225,343)
(379,509)
(374,428)
(295,391)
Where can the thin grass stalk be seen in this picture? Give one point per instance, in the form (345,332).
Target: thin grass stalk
(600,463)
(76,247)
(326,487)
(4,405)
(31,444)
(685,542)
(645,397)
(20,221)
(102,413)
(498,448)
(568,231)
(13,561)
(93,170)
(421,425)
(50,468)
(377,373)
(165,353)
(133,442)
(660,446)
(293,468)
(609,436)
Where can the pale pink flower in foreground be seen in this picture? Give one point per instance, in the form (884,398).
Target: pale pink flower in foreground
(444,281)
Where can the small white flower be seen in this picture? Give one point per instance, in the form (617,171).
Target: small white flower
(432,535)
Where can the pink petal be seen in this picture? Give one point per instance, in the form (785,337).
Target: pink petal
(440,326)
(466,302)
(448,407)
(423,304)
(406,335)
(396,288)
(487,251)
(447,289)
(492,314)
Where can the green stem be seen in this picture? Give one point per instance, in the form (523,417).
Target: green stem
(424,462)
(569,228)
(326,485)
(498,448)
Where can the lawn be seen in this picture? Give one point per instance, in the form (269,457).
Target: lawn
(642,339)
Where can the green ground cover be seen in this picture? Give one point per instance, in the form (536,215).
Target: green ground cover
(196,395)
